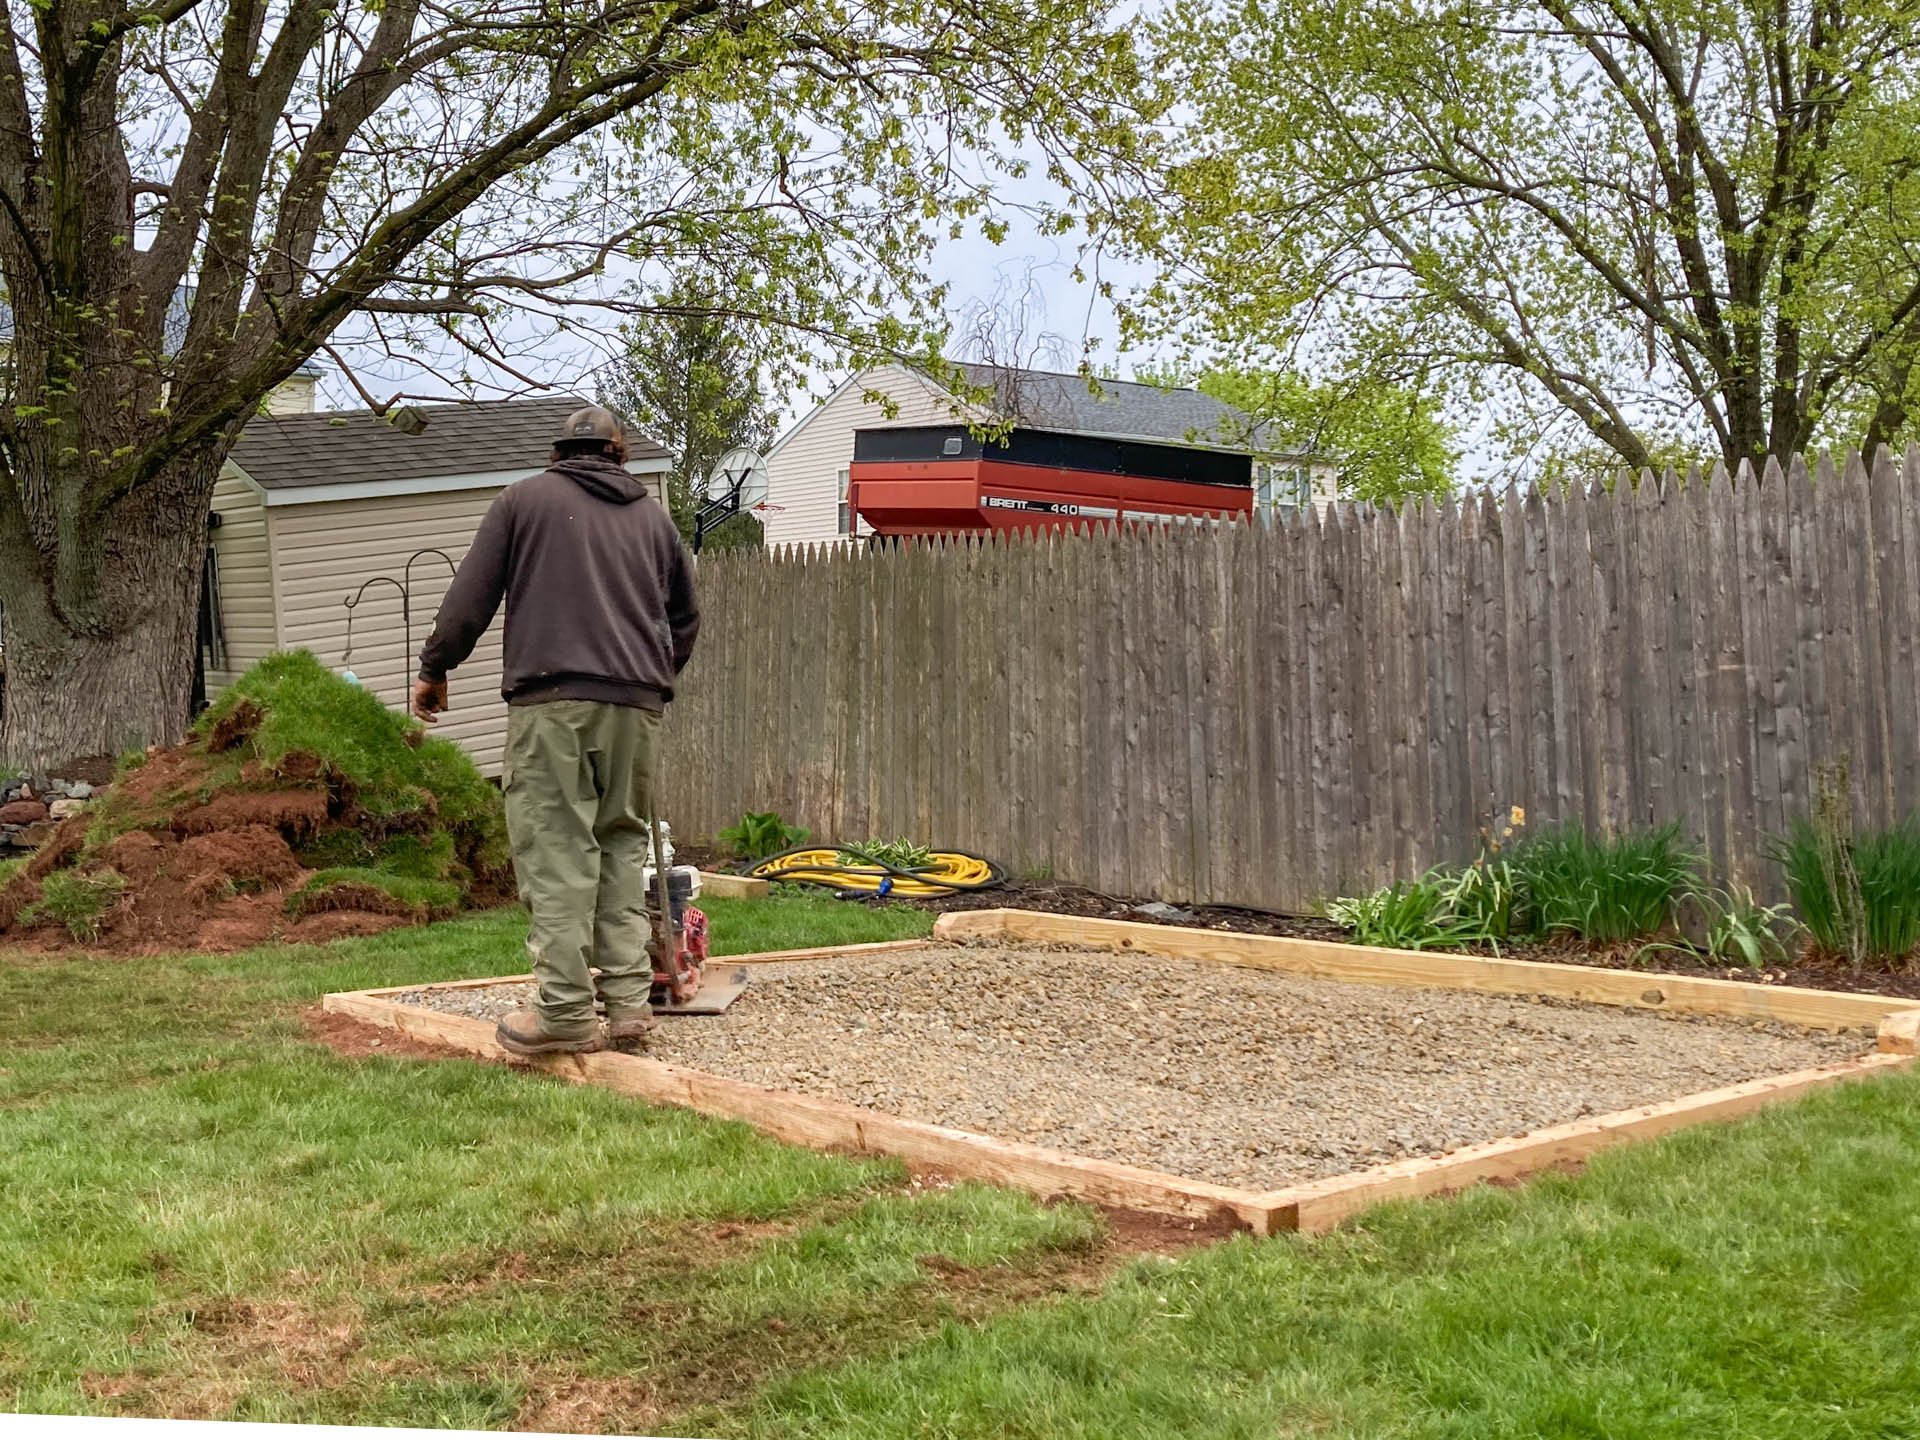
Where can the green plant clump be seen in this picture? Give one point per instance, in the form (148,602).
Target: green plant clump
(1484,898)
(760,835)
(77,899)
(1858,895)
(1412,915)
(1739,929)
(1606,891)
(900,854)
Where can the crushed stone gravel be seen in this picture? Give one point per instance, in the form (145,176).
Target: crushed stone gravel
(1246,1077)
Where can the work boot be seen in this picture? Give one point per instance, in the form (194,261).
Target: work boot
(522,1033)
(630,1027)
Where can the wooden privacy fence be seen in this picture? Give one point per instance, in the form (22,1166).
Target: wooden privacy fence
(1275,714)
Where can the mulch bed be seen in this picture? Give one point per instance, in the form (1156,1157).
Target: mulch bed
(1062,899)
(1077,900)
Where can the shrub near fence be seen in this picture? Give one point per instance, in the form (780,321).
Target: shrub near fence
(1275,714)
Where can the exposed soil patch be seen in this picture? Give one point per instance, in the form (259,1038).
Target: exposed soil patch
(296,813)
(1245,1077)
(1141,1232)
(61,846)
(357,1040)
(587,1405)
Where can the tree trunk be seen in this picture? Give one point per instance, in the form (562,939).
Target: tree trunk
(123,681)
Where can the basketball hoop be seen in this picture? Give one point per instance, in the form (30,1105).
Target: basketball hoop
(738,481)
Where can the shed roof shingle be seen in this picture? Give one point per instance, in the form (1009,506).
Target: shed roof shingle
(1046,400)
(353,447)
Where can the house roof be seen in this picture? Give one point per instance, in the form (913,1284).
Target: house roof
(354,448)
(1076,404)
(1122,409)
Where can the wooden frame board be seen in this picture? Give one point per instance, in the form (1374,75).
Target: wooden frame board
(732,887)
(1311,1206)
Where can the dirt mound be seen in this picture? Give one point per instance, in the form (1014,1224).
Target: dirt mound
(300,809)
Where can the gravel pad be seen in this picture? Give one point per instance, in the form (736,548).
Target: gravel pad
(1246,1077)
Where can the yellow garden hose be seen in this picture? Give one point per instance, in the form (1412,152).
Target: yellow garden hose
(947,872)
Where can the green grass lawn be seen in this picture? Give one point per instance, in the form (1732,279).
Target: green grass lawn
(205,1212)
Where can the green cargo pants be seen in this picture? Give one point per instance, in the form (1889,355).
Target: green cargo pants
(578,780)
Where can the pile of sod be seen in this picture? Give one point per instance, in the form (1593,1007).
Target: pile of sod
(376,815)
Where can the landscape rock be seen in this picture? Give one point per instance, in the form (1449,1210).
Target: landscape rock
(1163,912)
(61,809)
(22,812)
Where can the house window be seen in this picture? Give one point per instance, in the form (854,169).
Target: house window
(846,510)
(1283,487)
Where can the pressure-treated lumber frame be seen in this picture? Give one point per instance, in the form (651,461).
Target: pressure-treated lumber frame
(1311,1206)
(723,886)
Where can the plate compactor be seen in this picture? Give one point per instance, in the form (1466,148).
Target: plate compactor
(681,982)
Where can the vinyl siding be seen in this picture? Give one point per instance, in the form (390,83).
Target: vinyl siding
(324,553)
(1326,485)
(244,563)
(803,472)
(292,396)
(1323,482)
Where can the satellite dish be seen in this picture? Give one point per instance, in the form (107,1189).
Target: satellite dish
(741,473)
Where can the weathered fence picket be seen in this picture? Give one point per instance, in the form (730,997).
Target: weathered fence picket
(1270,715)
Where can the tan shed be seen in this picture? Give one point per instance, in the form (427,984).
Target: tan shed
(312,507)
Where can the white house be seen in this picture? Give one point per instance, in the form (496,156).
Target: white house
(809,467)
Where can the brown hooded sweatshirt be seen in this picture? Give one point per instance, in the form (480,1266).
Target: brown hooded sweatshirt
(599,591)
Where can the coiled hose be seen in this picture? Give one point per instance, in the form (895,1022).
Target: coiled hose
(947,872)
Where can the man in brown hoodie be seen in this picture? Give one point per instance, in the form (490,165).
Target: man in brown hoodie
(600,620)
